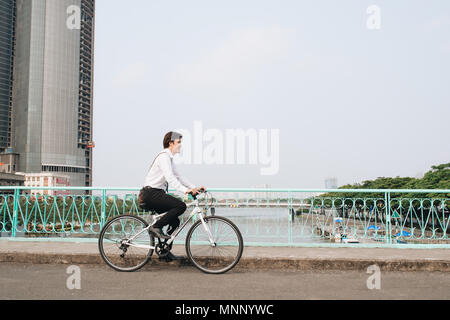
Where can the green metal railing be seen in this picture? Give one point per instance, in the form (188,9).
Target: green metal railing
(314,217)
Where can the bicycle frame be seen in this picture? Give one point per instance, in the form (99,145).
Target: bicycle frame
(196,211)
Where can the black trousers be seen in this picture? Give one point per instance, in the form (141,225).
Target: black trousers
(159,201)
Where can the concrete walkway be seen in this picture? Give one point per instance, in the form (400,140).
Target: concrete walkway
(265,258)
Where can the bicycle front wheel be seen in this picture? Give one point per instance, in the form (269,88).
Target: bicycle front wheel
(116,248)
(220,255)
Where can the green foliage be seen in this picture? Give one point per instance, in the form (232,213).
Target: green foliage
(437,178)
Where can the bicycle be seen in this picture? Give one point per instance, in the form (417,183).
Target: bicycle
(214,244)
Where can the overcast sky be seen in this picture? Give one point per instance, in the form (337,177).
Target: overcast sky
(349,102)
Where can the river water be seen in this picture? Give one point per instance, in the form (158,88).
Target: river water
(268,225)
(257,226)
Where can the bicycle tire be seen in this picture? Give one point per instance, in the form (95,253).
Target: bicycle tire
(143,258)
(210,263)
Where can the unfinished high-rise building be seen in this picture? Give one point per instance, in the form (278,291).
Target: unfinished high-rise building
(7,25)
(52,92)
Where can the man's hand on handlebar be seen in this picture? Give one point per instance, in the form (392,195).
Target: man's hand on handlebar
(195,191)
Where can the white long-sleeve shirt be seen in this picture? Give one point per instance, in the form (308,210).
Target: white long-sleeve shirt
(164,172)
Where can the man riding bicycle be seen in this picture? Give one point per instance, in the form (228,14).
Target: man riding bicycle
(154,194)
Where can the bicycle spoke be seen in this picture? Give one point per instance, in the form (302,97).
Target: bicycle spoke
(227,248)
(113,243)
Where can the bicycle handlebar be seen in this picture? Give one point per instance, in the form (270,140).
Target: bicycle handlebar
(195,195)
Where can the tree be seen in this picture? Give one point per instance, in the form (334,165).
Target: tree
(437,178)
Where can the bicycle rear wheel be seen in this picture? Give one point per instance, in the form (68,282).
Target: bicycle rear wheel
(120,254)
(223,254)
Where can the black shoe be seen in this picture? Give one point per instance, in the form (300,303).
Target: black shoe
(171,257)
(157,232)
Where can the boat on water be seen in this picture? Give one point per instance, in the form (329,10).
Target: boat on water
(350,240)
(344,239)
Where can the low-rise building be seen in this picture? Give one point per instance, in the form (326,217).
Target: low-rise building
(10,180)
(8,162)
(46,179)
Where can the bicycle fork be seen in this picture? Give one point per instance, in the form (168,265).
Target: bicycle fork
(211,239)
